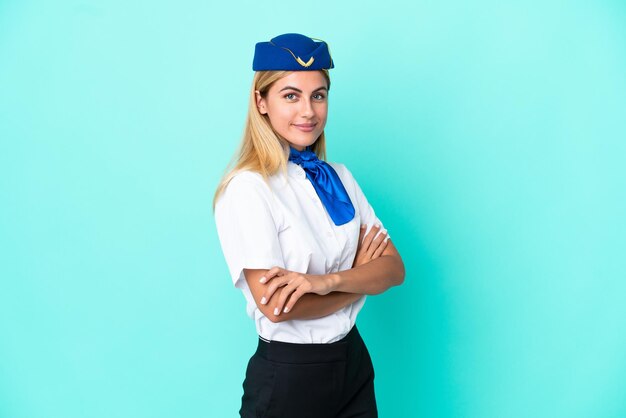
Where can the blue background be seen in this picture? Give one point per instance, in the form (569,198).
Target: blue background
(490,137)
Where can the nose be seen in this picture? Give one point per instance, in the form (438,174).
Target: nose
(307,108)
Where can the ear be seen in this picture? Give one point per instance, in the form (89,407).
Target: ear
(260,103)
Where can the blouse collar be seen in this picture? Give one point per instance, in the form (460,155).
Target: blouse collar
(295,170)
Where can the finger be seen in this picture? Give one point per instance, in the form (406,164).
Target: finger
(361,234)
(284,294)
(370,236)
(374,230)
(380,248)
(381,236)
(295,296)
(376,243)
(274,271)
(272,287)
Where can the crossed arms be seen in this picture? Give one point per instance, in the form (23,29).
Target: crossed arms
(377,267)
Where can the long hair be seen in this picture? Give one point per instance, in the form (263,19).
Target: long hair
(261,149)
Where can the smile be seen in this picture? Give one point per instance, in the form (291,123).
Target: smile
(306,127)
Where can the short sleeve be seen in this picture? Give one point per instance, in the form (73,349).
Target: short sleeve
(246,226)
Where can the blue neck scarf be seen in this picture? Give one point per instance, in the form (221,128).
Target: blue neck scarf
(326,183)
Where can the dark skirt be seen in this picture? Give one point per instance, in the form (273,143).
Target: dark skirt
(289,380)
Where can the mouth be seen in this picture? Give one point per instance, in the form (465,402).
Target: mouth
(305,127)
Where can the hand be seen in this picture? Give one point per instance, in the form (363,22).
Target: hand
(369,248)
(293,285)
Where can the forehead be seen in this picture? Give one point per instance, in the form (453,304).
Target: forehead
(303,80)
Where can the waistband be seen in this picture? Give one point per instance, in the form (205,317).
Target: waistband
(283,352)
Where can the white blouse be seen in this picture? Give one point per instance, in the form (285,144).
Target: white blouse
(286,225)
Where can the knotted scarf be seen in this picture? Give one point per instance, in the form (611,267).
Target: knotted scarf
(326,183)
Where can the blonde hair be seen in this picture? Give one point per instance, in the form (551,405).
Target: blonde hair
(262,150)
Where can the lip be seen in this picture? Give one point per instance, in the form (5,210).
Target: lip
(305,127)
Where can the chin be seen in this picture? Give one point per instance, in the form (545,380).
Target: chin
(302,144)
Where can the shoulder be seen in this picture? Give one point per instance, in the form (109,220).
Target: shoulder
(247,198)
(246,179)
(337,166)
(351,184)
(243,186)
(342,171)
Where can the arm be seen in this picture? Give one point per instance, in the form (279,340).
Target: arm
(309,306)
(270,298)
(380,274)
(372,278)
(376,279)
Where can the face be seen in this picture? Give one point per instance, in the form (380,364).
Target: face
(296,106)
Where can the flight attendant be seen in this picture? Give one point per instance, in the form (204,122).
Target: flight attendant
(302,243)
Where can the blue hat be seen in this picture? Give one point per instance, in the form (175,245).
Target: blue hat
(292,52)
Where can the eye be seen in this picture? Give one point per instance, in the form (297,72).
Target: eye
(290,96)
(319,96)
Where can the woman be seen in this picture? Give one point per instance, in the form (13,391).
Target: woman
(289,227)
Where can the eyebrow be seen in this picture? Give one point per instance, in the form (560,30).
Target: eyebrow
(300,91)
